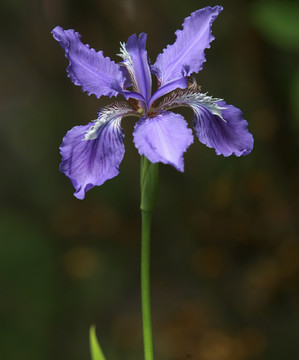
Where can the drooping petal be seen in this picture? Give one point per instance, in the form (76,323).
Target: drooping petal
(87,68)
(134,55)
(163,138)
(92,153)
(217,125)
(186,55)
(227,136)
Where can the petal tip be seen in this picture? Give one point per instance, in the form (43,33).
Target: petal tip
(80,195)
(56,30)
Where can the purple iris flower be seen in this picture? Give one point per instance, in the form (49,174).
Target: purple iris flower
(92,153)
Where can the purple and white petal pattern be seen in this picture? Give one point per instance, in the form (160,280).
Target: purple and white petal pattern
(186,55)
(217,125)
(191,97)
(227,136)
(134,55)
(163,138)
(92,153)
(87,68)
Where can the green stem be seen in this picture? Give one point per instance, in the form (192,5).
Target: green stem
(145,286)
(149,175)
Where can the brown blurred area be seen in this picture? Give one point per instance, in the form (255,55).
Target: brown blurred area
(225,250)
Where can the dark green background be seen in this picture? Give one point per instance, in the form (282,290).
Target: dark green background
(225,251)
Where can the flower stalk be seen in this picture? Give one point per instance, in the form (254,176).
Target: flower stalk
(149,177)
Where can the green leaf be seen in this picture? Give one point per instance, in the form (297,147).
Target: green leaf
(278,22)
(95,349)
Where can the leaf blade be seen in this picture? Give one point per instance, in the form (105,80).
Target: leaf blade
(95,349)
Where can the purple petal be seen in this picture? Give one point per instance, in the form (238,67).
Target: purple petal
(228,136)
(134,95)
(138,54)
(217,125)
(163,138)
(96,74)
(91,154)
(134,55)
(186,55)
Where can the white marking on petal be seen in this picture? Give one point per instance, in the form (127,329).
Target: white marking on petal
(124,54)
(193,98)
(207,102)
(114,112)
(128,63)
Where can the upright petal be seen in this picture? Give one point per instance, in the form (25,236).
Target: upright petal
(87,68)
(134,55)
(186,55)
(92,153)
(163,138)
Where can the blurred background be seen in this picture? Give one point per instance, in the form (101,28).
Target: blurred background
(225,251)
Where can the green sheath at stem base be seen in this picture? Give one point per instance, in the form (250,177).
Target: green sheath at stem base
(149,177)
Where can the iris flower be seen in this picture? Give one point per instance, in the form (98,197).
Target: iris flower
(92,153)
